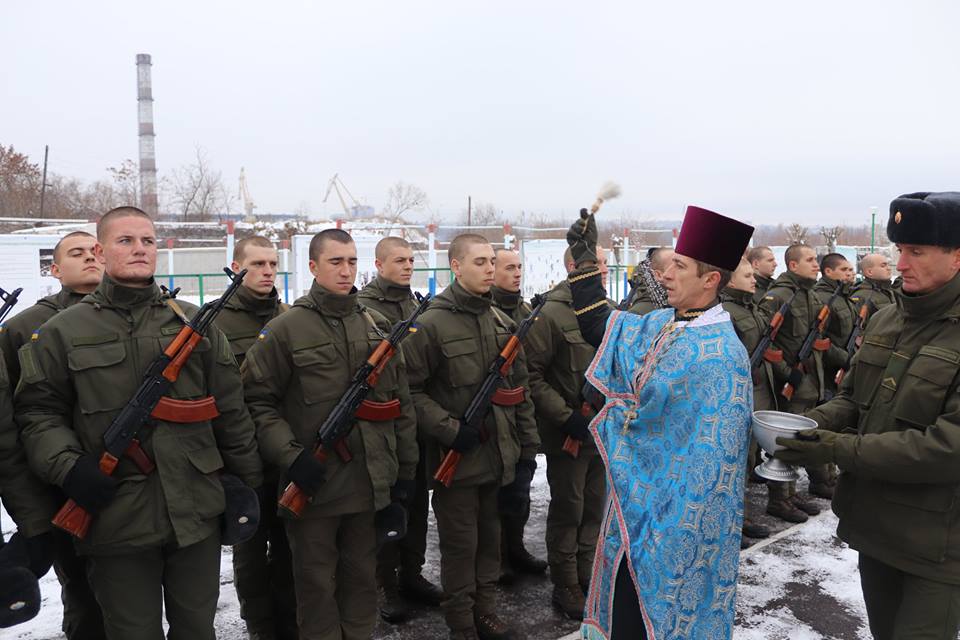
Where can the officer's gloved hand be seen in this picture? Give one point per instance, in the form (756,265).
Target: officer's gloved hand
(796,377)
(514,498)
(813,447)
(88,486)
(307,472)
(391,521)
(582,238)
(467,439)
(19,591)
(577,426)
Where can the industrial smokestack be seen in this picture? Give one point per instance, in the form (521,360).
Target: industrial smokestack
(148,148)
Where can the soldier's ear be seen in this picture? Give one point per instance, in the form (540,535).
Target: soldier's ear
(98,253)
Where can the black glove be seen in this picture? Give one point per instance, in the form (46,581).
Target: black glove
(241,513)
(576,426)
(307,472)
(795,378)
(467,439)
(582,238)
(514,498)
(390,523)
(403,491)
(88,486)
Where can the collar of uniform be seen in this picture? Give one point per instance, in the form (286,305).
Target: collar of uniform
(742,298)
(791,279)
(333,304)
(466,301)
(931,305)
(883,285)
(391,291)
(67,297)
(261,305)
(692,314)
(763,282)
(830,285)
(506,300)
(118,295)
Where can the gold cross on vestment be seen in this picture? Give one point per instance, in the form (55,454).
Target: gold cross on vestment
(631,414)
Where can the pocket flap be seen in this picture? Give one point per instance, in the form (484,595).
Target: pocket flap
(926,497)
(574,337)
(460,347)
(206,460)
(317,355)
(936,365)
(874,354)
(90,358)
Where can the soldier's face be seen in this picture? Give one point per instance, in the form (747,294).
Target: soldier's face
(476,271)
(335,269)
(767,265)
(880,270)
(76,265)
(925,269)
(508,271)
(261,265)
(743,278)
(128,250)
(842,273)
(806,266)
(397,266)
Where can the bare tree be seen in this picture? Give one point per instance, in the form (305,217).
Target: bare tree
(19,184)
(126,181)
(196,191)
(403,197)
(797,233)
(831,235)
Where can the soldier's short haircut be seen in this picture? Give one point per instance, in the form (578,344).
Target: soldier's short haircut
(794,252)
(72,234)
(126,211)
(567,256)
(240,249)
(460,245)
(656,257)
(757,253)
(386,245)
(327,235)
(832,261)
(704,268)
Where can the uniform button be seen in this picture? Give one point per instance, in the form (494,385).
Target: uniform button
(335,322)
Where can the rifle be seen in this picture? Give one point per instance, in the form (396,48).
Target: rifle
(815,340)
(9,301)
(631,296)
(339,422)
(479,406)
(853,342)
(770,334)
(150,401)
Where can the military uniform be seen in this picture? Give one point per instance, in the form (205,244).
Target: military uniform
(811,389)
(558,358)
(262,568)
(843,316)
(162,529)
(763,285)
(396,303)
(82,619)
(460,335)
(293,376)
(875,293)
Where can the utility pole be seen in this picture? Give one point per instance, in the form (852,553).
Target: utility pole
(873,227)
(43,186)
(469,209)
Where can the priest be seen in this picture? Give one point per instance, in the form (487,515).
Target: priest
(674,433)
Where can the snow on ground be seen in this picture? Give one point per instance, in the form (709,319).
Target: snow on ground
(802,584)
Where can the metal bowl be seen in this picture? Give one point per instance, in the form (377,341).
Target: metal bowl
(767,427)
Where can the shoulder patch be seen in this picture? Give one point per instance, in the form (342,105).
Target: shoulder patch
(30,370)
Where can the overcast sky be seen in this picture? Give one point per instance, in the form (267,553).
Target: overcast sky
(763,110)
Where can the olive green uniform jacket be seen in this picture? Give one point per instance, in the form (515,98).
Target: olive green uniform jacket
(558,358)
(17,331)
(80,372)
(393,301)
(879,293)
(899,481)
(294,375)
(793,331)
(763,285)
(750,323)
(511,304)
(244,315)
(29,502)
(459,336)
(839,327)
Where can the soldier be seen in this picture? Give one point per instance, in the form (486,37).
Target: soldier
(460,335)
(293,376)
(28,554)
(894,431)
(836,272)
(750,323)
(79,272)
(800,279)
(764,265)
(154,544)
(400,564)
(262,571)
(875,290)
(660,258)
(508,298)
(558,358)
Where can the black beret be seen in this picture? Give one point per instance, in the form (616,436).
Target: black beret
(19,596)
(926,218)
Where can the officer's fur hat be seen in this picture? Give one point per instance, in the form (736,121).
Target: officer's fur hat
(925,218)
(241,515)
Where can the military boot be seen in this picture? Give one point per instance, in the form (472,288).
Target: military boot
(822,490)
(469,633)
(569,599)
(786,510)
(418,589)
(753,530)
(807,506)
(392,607)
(491,627)
(261,633)
(525,562)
